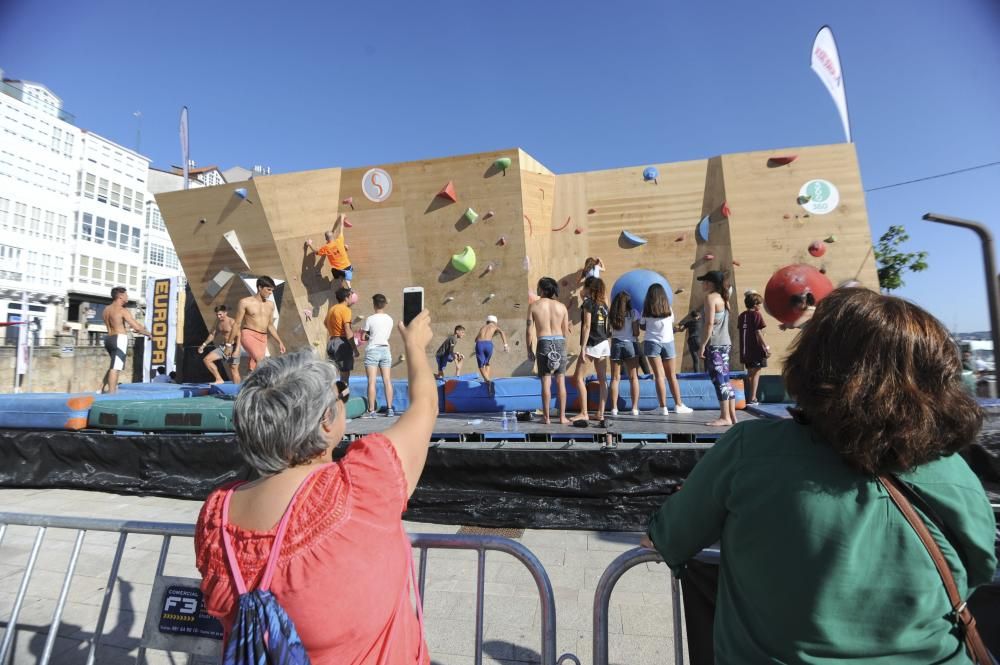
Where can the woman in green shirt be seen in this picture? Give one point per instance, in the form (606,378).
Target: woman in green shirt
(818,564)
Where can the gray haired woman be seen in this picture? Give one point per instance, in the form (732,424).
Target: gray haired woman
(343,564)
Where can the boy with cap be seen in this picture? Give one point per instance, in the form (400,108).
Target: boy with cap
(484,348)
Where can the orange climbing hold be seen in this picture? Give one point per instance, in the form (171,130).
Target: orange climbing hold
(448,192)
(725,209)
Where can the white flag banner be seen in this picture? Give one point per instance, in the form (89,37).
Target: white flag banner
(826,64)
(185,152)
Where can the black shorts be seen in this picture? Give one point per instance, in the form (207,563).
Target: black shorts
(341,353)
(756,364)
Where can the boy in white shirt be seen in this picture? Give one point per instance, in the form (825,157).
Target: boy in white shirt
(378,357)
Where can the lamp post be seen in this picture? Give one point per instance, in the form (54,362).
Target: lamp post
(986,239)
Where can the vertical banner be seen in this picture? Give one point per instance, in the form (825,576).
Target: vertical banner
(161,320)
(825,62)
(185,151)
(23,362)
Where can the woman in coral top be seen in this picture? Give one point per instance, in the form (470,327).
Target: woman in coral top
(344,569)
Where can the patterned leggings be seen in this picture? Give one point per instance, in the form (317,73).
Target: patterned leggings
(718,371)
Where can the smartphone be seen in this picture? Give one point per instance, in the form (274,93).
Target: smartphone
(413,303)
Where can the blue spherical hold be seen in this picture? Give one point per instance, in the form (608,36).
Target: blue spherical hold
(650,173)
(241,192)
(637,282)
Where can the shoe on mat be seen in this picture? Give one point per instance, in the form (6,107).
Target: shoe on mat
(389,413)
(370,414)
(753,403)
(665,411)
(635,412)
(683,408)
(614,412)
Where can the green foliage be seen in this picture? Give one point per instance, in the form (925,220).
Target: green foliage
(893,262)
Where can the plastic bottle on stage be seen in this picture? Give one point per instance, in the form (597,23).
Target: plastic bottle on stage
(513,421)
(504,423)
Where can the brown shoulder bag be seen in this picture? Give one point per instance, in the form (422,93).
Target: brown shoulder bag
(964,620)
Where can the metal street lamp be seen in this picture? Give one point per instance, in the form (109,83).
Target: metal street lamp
(986,238)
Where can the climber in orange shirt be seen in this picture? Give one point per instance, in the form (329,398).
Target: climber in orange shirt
(335,252)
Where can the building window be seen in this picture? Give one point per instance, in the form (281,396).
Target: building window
(56,139)
(154,220)
(122,274)
(68,144)
(116,194)
(155,254)
(19,216)
(49,229)
(84,269)
(127,199)
(99,227)
(109,271)
(61,228)
(36,222)
(4,208)
(88,188)
(96,270)
(133,278)
(138,202)
(102,190)
(10,263)
(136,240)
(112,232)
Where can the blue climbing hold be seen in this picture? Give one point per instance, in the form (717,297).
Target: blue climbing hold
(633,239)
(241,192)
(650,173)
(702,229)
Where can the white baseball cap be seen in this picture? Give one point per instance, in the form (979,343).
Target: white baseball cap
(491,319)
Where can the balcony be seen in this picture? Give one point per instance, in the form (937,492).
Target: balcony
(51,109)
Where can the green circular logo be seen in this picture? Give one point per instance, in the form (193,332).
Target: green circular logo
(819,191)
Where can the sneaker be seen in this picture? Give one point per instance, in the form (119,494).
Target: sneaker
(389,413)
(370,414)
(683,408)
(635,412)
(753,403)
(614,412)
(665,411)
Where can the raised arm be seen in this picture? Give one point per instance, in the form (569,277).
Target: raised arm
(411,434)
(241,312)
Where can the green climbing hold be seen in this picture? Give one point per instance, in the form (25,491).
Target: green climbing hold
(804,199)
(470,215)
(831,239)
(502,164)
(465,260)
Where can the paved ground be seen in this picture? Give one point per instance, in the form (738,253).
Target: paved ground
(640,615)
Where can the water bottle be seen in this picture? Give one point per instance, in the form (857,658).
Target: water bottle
(504,423)
(513,421)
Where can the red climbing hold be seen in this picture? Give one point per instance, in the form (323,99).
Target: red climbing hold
(592,211)
(347,224)
(725,209)
(502,241)
(679,238)
(781,160)
(709,257)
(448,192)
(817,248)
(349,201)
(577,231)
(787,216)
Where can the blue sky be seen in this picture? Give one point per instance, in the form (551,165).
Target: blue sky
(581,85)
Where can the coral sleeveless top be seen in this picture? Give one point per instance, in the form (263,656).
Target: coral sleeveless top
(344,567)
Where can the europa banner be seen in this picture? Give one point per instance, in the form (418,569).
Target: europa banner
(161,319)
(826,63)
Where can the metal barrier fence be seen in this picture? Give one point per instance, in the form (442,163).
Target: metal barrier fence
(124,528)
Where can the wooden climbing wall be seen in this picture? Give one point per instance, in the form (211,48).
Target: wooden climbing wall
(550,224)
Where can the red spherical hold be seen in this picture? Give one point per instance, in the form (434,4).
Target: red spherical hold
(817,248)
(792,281)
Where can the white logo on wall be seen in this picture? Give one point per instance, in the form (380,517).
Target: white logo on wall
(819,197)
(377,185)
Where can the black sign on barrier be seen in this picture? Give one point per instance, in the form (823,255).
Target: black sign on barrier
(183,613)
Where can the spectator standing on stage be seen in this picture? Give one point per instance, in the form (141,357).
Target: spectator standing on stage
(255,321)
(545,338)
(117,321)
(484,348)
(341,349)
(446,353)
(623,322)
(754,351)
(595,345)
(329,533)
(658,346)
(378,357)
(818,564)
(691,324)
(229,354)
(717,345)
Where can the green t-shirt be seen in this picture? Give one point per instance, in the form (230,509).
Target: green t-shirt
(818,564)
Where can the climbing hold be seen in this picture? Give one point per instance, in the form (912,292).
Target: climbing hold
(633,239)
(817,248)
(702,229)
(241,192)
(651,173)
(449,299)
(709,257)
(489,213)
(502,241)
(790,281)
(822,270)
(786,216)
(637,282)
(531,227)
(489,268)
(737,263)
(830,239)
(591,211)
(347,224)
(679,291)
(679,238)
(803,199)
(448,192)
(465,260)
(502,164)
(577,231)
(402,357)
(568,219)
(491,296)
(307,314)
(353,299)
(349,201)
(470,215)
(725,209)
(781,160)
(526,264)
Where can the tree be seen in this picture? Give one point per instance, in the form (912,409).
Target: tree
(893,262)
